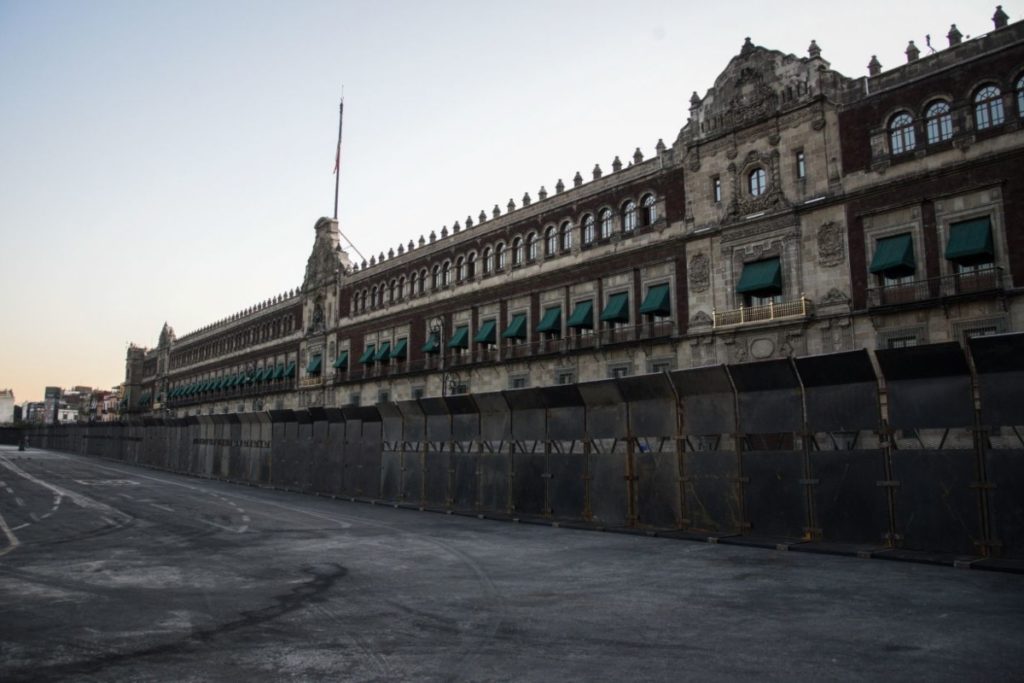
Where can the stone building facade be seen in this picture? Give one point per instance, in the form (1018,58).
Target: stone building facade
(798,211)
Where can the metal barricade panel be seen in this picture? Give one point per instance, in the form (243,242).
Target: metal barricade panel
(606,410)
(652,404)
(927,386)
(495,480)
(708,400)
(1005,469)
(773,496)
(528,482)
(769,397)
(609,500)
(414,422)
(566,413)
(841,391)
(658,502)
(567,485)
(439,421)
(351,461)
(936,508)
(391,417)
(528,414)
(849,504)
(999,362)
(712,491)
(465,418)
(464,494)
(435,478)
(412,472)
(370,459)
(495,416)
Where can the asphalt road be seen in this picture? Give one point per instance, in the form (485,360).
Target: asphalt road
(115,573)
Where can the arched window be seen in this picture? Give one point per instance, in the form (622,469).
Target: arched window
(566,235)
(938,122)
(436,282)
(393,293)
(606,223)
(532,247)
(757,182)
(901,133)
(373,298)
(550,241)
(460,269)
(649,210)
(401,288)
(629,216)
(1020,97)
(988,107)
(588,229)
(517,251)
(471,265)
(488,263)
(499,256)
(446,274)
(422,284)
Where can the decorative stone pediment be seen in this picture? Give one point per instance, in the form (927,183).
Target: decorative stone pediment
(327,257)
(757,84)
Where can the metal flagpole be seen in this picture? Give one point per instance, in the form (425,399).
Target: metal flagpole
(337,156)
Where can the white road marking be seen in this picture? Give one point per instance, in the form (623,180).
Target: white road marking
(12,540)
(78,499)
(19,501)
(10,490)
(240,530)
(162,507)
(245,518)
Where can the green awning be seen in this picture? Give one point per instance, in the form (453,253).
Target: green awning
(582,316)
(232,381)
(341,361)
(289,371)
(761,276)
(368,355)
(485,335)
(517,328)
(257,376)
(460,340)
(313,367)
(894,256)
(399,351)
(384,352)
(617,309)
(432,346)
(971,241)
(552,320)
(656,302)
(268,373)
(278,372)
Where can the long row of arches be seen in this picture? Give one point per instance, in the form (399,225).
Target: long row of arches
(504,254)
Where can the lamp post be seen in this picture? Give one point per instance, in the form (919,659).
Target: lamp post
(449,378)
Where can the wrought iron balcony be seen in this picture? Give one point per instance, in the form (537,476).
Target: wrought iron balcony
(958,284)
(801,308)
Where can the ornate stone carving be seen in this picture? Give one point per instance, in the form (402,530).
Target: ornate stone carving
(326,259)
(701,318)
(831,247)
(700,272)
(834,297)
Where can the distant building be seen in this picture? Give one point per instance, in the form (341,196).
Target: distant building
(798,211)
(34,412)
(66,415)
(6,406)
(51,401)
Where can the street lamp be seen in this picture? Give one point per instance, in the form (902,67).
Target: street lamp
(449,379)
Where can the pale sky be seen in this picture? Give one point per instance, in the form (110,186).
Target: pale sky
(167,160)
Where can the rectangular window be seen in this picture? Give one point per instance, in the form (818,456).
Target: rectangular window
(417,393)
(665,365)
(619,371)
(902,342)
(801,165)
(565,377)
(383,396)
(518,382)
(716,189)
(353,399)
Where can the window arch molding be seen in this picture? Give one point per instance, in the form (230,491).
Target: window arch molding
(532,246)
(648,208)
(900,130)
(937,118)
(1018,94)
(987,106)
(588,228)
(630,215)
(605,222)
(517,250)
(550,241)
(565,235)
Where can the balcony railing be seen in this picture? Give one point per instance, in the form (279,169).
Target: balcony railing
(958,284)
(801,308)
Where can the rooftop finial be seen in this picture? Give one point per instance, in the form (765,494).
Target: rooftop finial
(813,51)
(954,35)
(912,52)
(874,66)
(999,19)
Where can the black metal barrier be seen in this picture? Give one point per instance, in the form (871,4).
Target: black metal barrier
(821,451)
